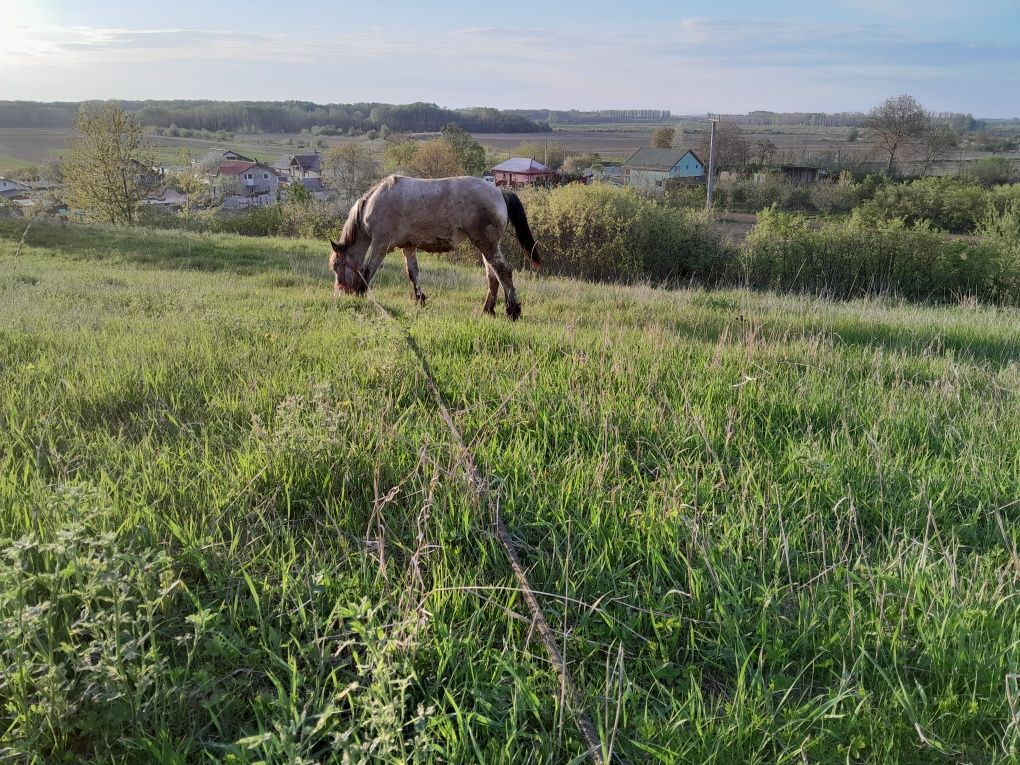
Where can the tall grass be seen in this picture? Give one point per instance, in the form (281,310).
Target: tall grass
(769,529)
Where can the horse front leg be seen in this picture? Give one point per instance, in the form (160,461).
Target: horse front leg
(505,275)
(411,261)
(373,259)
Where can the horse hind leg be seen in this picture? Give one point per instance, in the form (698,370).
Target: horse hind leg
(504,273)
(411,262)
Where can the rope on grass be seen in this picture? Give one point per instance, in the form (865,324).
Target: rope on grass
(477,483)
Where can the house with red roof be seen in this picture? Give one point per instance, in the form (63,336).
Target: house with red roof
(521,171)
(258,183)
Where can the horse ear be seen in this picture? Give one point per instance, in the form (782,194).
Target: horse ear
(335,246)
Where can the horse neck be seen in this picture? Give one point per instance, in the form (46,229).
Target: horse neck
(355,254)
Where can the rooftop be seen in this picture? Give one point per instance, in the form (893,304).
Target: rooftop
(522,165)
(650,158)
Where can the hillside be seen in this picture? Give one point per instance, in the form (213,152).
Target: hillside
(767,529)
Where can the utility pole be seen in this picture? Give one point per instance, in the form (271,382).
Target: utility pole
(711,168)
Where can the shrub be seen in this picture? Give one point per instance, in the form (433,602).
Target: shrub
(952,203)
(858,257)
(1001,229)
(992,170)
(603,232)
(761,192)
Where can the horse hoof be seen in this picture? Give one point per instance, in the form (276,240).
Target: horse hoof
(513,310)
(421,300)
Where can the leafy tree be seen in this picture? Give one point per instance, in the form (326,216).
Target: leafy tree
(469,152)
(105,169)
(349,169)
(663,137)
(435,159)
(297,194)
(192,187)
(399,156)
(897,123)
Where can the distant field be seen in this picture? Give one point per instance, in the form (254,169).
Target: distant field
(27,146)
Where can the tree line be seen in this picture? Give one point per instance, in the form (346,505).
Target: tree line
(956,120)
(593,117)
(279,116)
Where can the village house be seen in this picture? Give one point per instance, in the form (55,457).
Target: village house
(258,183)
(233,156)
(521,171)
(300,165)
(166,199)
(11,189)
(648,169)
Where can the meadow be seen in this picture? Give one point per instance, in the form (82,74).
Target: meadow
(766,528)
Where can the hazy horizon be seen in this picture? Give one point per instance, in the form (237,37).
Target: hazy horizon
(791,56)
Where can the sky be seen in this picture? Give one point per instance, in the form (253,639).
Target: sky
(690,58)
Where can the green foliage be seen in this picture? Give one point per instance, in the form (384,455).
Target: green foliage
(105,171)
(990,171)
(663,137)
(861,257)
(761,192)
(604,232)
(951,203)
(470,153)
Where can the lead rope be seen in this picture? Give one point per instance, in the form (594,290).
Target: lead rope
(584,724)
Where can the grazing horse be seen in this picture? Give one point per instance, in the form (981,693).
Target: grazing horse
(433,215)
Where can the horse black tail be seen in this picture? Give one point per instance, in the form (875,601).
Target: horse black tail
(515,211)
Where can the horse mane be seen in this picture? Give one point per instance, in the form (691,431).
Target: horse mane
(352,226)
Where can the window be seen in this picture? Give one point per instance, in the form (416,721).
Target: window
(247,177)
(265,176)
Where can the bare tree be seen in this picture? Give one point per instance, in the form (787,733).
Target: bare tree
(936,143)
(732,149)
(897,124)
(349,169)
(764,151)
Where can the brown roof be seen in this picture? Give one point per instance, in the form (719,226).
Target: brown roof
(233,167)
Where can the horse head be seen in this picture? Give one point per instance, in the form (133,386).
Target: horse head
(348,276)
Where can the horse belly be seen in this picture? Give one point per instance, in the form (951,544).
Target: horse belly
(440,241)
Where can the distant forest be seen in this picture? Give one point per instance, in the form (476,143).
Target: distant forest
(281,116)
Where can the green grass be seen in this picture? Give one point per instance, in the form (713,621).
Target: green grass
(769,529)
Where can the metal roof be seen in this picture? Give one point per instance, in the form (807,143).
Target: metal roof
(649,158)
(522,165)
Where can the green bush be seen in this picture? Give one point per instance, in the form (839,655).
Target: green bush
(952,203)
(603,232)
(990,171)
(761,192)
(856,257)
